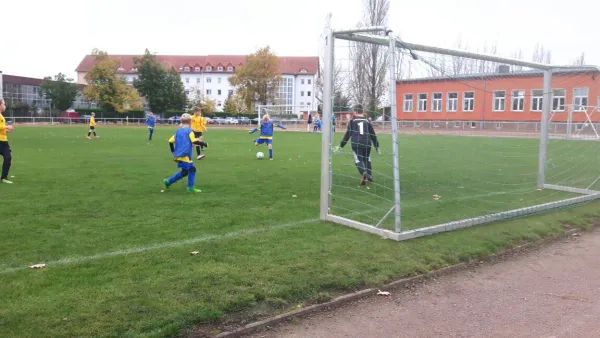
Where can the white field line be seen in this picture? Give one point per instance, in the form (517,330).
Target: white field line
(158,246)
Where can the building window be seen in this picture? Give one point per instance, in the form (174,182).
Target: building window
(208,68)
(537,96)
(198,80)
(187,80)
(499,100)
(301,103)
(308,103)
(559,98)
(408,103)
(230,69)
(219,103)
(580,98)
(436,124)
(452,102)
(219,92)
(422,103)
(498,125)
(286,93)
(417,124)
(456,124)
(230,92)
(208,80)
(309,81)
(220,68)
(473,124)
(186,69)
(301,93)
(302,70)
(301,81)
(518,100)
(436,103)
(308,93)
(187,92)
(468,101)
(208,92)
(219,80)
(197,69)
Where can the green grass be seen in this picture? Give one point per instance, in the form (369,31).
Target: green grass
(79,205)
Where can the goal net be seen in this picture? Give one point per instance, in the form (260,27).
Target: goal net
(465,138)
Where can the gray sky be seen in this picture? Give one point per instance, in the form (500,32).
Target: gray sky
(44,37)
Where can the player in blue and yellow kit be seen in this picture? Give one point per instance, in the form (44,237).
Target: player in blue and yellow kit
(266,133)
(150,122)
(182,144)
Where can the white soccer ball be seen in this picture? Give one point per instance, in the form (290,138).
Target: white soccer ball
(260,155)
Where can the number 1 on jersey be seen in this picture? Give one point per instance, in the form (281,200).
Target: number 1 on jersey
(361,128)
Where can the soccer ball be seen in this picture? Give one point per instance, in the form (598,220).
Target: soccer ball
(260,155)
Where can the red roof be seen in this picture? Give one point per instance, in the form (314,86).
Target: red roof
(289,64)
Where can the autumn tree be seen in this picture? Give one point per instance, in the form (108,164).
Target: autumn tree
(107,88)
(61,90)
(260,76)
(161,87)
(236,104)
(369,61)
(197,98)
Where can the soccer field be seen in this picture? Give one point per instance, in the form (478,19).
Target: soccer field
(118,250)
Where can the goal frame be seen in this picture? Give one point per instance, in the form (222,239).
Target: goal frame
(362,35)
(261,108)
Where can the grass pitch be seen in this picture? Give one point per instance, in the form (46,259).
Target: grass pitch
(118,250)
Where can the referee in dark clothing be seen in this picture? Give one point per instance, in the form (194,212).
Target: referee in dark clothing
(361,133)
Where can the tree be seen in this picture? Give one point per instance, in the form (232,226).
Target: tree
(107,88)
(261,75)
(369,61)
(62,91)
(162,88)
(198,99)
(236,104)
(541,55)
(340,101)
(338,77)
(580,60)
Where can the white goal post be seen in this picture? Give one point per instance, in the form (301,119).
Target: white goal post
(383,36)
(296,111)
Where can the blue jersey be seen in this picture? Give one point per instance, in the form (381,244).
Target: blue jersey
(151,121)
(266,129)
(183,146)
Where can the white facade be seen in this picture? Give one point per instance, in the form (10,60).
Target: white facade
(295,90)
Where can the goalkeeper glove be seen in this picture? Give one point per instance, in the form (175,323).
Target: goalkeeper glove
(336,149)
(378,151)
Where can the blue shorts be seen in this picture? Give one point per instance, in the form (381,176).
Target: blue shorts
(185,165)
(263,140)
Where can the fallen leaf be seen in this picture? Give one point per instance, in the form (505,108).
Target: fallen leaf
(294,196)
(195,252)
(383,293)
(37,266)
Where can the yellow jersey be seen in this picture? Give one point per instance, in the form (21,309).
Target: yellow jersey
(3,129)
(198,123)
(92,121)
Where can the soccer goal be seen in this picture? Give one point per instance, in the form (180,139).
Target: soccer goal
(284,111)
(467,140)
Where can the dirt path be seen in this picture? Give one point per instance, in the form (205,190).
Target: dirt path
(553,292)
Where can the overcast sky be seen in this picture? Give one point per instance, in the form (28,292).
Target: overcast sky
(44,37)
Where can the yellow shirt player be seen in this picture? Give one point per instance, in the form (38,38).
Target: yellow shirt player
(181,147)
(92,126)
(199,126)
(5,151)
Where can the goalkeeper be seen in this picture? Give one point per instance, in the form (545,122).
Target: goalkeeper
(361,132)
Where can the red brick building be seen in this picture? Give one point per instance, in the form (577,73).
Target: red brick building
(497,97)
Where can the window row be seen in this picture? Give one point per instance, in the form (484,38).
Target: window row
(308,81)
(517,101)
(208,69)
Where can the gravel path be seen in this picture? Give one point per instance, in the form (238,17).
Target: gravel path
(552,292)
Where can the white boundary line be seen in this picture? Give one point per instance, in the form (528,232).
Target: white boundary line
(80,259)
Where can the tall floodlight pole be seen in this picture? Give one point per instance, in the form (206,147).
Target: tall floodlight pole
(393,113)
(326,134)
(546,106)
